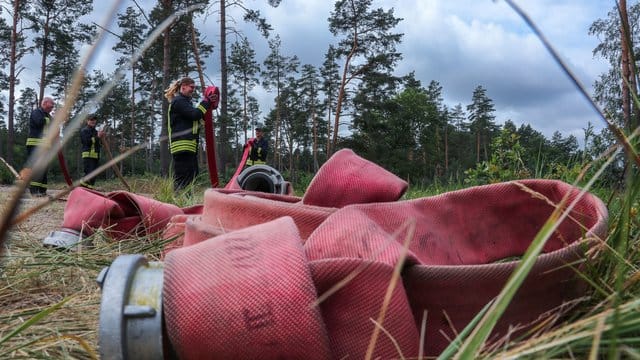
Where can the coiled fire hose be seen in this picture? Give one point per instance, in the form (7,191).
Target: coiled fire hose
(124,214)
(253,275)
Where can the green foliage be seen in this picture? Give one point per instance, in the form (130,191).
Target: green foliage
(302,182)
(393,120)
(566,172)
(506,162)
(189,196)
(57,38)
(6,176)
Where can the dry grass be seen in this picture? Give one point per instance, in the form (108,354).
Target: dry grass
(34,279)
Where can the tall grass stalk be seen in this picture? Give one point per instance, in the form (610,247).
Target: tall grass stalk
(579,335)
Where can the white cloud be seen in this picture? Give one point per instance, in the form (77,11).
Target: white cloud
(462,44)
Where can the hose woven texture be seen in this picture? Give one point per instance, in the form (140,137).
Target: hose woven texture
(259,276)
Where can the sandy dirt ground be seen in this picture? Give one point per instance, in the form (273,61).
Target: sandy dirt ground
(40,222)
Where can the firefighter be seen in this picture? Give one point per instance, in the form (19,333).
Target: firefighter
(259,149)
(184,129)
(38,127)
(90,139)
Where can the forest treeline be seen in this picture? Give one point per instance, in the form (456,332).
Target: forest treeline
(353,99)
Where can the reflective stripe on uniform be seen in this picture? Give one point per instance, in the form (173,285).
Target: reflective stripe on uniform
(255,162)
(89,155)
(183,145)
(38,184)
(34,141)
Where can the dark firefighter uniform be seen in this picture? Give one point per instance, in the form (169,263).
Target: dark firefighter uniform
(258,154)
(90,152)
(38,127)
(184,133)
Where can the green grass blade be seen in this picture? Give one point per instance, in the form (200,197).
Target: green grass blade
(37,317)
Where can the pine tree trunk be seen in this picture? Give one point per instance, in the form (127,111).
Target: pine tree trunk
(628,55)
(277,157)
(625,66)
(315,140)
(223,89)
(166,62)
(328,145)
(446,150)
(343,86)
(12,82)
(133,113)
(336,120)
(43,60)
(477,147)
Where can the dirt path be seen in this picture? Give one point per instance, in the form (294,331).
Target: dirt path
(40,223)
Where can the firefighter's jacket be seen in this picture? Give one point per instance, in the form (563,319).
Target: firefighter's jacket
(258,154)
(38,126)
(90,143)
(184,124)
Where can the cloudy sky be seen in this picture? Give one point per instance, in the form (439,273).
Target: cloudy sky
(461,44)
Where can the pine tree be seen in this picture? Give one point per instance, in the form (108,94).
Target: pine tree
(309,89)
(461,141)
(482,124)
(6,130)
(58,33)
(369,50)
(277,68)
(250,15)
(243,69)
(17,50)
(175,56)
(330,72)
(402,150)
(130,40)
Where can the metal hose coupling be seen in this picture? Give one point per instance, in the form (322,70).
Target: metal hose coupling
(262,178)
(131,320)
(64,239)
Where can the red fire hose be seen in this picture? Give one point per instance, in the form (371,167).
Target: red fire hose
(63,163)
(254,267)
(211,92)
(255,275)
